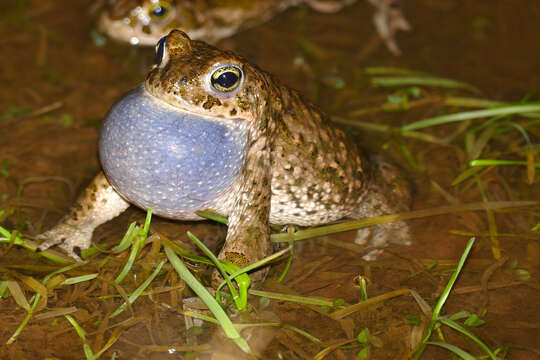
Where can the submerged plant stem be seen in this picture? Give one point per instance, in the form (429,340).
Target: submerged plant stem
(357,224)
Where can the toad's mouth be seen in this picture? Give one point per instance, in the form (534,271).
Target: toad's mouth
(176,162)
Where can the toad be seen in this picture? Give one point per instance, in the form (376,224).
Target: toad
(144,22)
(209,130)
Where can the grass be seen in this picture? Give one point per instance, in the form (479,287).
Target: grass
(222,318)
(437,320)
(338,309)
(501,110)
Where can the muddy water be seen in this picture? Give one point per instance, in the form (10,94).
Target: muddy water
(57,85)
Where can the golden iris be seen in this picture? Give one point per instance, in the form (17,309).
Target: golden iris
(160,11)
(226,78)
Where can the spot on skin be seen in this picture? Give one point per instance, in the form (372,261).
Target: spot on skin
(237,258)
(210,102)
(77,250)
(242,101)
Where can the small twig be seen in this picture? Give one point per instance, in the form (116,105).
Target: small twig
(46,109)
(38,112)
(339,314)
(485,278)
(477,288)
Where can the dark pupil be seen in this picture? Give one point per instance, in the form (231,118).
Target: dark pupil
(160,49)
(227,79)
(159,11)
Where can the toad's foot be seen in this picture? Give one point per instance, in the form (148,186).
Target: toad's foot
(98,203)
(68,237)
(388,20)
(379,236)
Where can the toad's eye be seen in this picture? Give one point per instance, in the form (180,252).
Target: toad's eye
(226,78)
(160,49)
(160,10)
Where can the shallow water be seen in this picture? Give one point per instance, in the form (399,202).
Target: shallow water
(51,66)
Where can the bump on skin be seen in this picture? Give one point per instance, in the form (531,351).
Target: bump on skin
(296,167)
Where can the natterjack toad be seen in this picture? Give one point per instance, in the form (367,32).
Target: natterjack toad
(209,130)
(144,22)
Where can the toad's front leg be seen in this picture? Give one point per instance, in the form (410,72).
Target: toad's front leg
(98,204)
(248,236)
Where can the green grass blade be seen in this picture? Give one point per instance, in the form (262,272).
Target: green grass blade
(135,249)
(390,70)
(257,264)
(18,295)
(208,299)
(4,291)
(287,265)
(240,276)
(147,221)
(442,299)
(242,280)
(238,300)
(77,327)
(475,114)
(37,298)
(139,290)
(126,241)
(454,325)
(63,270)
(214,216)
(87,350)
(79,279)
(465,175)
(401,81)
(186,254)
(25,320)
(490,162)
(453,278)
(357,224)
(468,102)
(457,351)
(139,237)
(522,131)
(292,298)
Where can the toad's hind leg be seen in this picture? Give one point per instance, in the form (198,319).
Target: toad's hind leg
(387,193)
